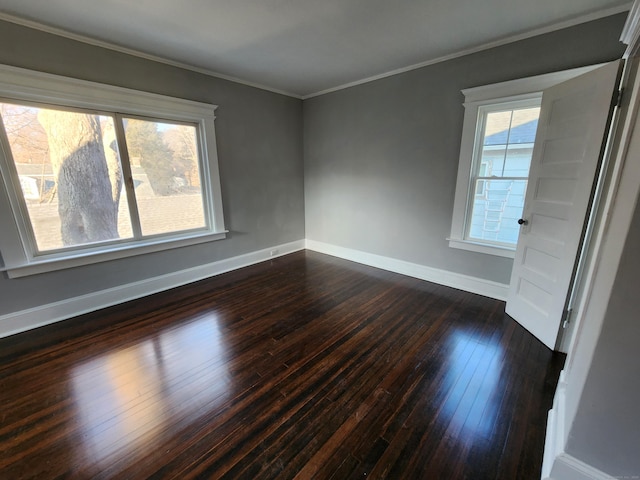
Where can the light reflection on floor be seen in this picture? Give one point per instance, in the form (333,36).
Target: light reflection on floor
(473,377)
(126,397)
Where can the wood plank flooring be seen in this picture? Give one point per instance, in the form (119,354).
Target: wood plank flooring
(307,366)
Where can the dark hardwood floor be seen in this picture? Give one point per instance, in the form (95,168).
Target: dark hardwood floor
(307,366)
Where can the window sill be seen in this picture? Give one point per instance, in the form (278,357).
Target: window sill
(483,248)
(77,259)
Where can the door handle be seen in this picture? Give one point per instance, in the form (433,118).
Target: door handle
(522,221)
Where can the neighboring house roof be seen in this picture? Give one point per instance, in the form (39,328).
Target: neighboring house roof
(524,133)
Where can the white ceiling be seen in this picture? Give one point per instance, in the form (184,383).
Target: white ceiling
(303,47)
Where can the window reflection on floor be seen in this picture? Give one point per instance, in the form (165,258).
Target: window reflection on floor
(125,398)
(472,382)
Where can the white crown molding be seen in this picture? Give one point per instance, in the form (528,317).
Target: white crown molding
(136,53)
(486,46)
(28,319)
(467,283)
(496,43)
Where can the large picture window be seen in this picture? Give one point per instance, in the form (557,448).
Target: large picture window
(95,180)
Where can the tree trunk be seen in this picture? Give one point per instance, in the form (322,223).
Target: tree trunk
(110,145)
(87,199)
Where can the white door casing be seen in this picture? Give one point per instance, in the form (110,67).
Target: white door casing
(572,129)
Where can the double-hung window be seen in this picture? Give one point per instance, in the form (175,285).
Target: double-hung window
(94,172)
(500,168)
(496,151)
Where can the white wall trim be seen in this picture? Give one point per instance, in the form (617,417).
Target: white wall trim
(557,464)
(610,238)
(567,467)
(554,438)
(479,101)
(136,53)
(474,246)
(522,86)
(21,321)
(631,31)
(480,286)
(595,15)
(486,46)
(39,316)
(17,239)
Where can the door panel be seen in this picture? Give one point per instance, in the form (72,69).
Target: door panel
(574,121)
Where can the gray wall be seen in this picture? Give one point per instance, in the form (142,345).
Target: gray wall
(259,148)
(606,429)
(381,158)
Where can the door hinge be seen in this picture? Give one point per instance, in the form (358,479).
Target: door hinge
(618,98)
(566,317)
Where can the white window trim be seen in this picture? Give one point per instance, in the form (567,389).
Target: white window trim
(31,86)
(514,90)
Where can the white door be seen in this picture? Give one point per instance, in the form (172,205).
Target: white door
(572,129)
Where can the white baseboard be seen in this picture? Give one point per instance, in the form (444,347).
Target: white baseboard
(28,319)
(555,437)
(567,467)
(480,286)
(556,464)
(23,320)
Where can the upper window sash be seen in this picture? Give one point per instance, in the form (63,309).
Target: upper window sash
(31,87)
(483,111)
